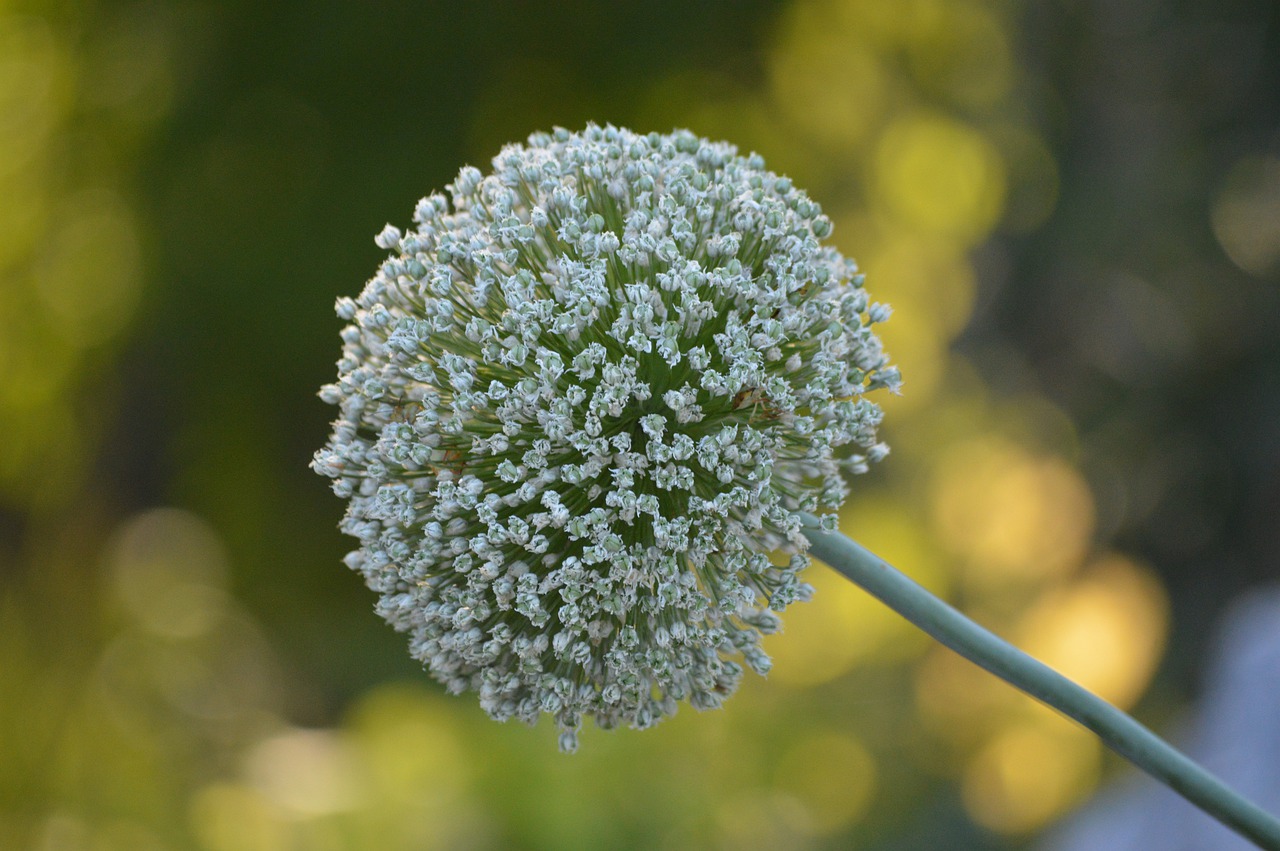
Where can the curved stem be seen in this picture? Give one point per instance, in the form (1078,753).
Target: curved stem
(1116,729)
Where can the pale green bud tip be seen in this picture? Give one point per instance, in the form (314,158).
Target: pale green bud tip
(579,405)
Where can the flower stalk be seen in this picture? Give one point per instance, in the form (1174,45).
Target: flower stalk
(1117,730)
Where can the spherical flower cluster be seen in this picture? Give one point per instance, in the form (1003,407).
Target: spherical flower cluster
(581,402)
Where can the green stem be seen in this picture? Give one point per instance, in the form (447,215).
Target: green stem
(1116,729)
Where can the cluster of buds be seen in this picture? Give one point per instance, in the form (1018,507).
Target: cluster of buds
(581,402)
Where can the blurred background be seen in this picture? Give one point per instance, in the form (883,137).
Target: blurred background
(1074,208)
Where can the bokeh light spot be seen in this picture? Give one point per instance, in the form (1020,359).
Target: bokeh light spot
(307,773)
(1011,514)
(35,88)
(169,567)
(1246,216)
(128,68)
(939,175)
(23,216)
(960,51)
(1028,775)
(409,742)
(833,778)
(89,281)
(923,277)
(1104,630)
(233,817)
(826,80)
(959,701)
(757,819)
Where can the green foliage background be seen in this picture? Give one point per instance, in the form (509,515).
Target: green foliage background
(1073,206)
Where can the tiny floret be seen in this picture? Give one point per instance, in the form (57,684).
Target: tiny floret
(581,401)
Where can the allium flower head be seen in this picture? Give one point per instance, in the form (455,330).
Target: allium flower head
(581,402)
